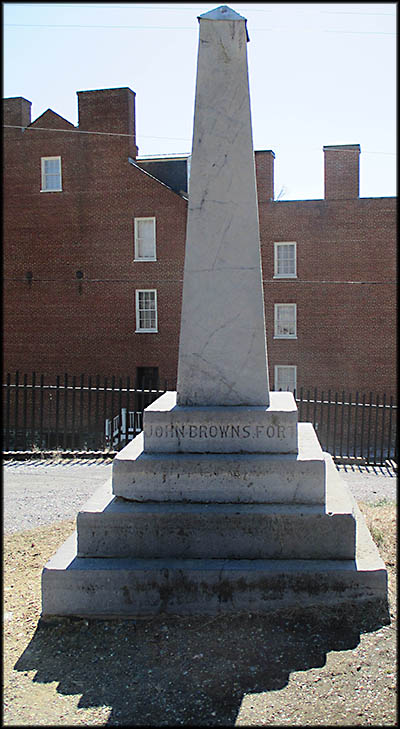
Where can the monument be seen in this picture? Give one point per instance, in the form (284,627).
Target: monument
(224,503)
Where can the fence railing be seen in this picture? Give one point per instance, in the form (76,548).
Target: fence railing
(93,413)
(352,425)
(72,414)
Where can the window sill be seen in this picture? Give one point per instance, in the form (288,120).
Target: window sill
(284,336)
(285,275)
(143,259)
(60,190)
(146,331)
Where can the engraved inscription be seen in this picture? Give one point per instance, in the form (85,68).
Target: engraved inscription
(225,431)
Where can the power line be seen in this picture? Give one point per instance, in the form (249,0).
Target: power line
(75,130)
(193,28)
(161,6)
(84,131)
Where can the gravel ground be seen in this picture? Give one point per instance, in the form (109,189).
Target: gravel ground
(249,670)
(37,493)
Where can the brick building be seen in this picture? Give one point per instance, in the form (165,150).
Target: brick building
(94,241)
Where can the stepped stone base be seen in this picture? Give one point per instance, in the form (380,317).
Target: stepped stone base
(131,586)
(126,587)
(292,478)
(109,526)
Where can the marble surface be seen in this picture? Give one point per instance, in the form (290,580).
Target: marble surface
(172,428)
(222,352)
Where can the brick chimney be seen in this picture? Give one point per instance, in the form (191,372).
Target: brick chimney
(17,112)
(342,171)
(264,161)
(109,110)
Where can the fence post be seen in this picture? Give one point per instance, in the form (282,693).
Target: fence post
(16,409)
(355,428)
(383,427)
(73,437)
(24,410)
(105,420)
(389,449)
(308,407)
(65,409)
(301,404)
(8,390)
(334,425)
(112,410)
(328,421)
(89,414)
(33,403)
(96,413)
(362,426)
(81,395)
(120,412)
(376,428)
(348,428)
(128,387)
(57,407)
(321,436)
(41,395)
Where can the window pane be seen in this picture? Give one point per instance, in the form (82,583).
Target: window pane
(285,320)
(145,239)
(286,258)
(52,166)
(147,312)
(285,378)
(52,182)
(51,174)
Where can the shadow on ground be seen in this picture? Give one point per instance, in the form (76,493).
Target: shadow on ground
(193,671)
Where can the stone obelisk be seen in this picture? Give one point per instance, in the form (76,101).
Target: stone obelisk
(222,351)
(224,502)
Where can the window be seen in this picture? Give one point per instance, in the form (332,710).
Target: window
(145,239)
(285,260)
(146,310)
(285,378)
(285,321)
(51,174)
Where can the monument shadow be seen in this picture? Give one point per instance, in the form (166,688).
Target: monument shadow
(169,670)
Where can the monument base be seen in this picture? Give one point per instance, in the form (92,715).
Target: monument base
(172,428)
(269,478)
(127,586)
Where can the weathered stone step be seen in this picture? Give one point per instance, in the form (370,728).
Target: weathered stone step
(109,526)
(136,587)
(223,477)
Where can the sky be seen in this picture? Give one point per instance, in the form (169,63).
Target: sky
(319,74)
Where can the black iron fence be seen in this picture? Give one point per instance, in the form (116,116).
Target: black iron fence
(71,413)
(93,413)
(352,425)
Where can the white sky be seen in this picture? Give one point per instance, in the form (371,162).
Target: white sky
(320,73)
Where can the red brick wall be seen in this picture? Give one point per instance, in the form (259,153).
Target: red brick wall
(341,172)
(58,323)
(345,290)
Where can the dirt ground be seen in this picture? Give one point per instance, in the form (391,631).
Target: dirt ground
(227,671)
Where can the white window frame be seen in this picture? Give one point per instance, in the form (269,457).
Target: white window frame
(136,236)
(44,176)
(277,323)
(140,329)
(276,376)
(277,245)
